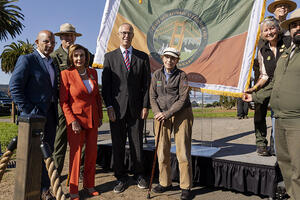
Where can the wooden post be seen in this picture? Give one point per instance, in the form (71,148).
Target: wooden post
(29,158)
(13,114)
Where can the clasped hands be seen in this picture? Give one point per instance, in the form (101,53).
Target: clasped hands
(160,116)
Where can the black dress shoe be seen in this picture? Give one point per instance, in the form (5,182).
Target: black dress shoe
(185,194)
(161,189)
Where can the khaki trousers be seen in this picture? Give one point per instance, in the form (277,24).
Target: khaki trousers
(287,139)
(181,123)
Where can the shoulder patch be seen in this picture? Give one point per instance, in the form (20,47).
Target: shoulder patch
(158,83)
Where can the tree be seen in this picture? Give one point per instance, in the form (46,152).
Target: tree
(227,102)
(12,52)
(9,59)
(10,19)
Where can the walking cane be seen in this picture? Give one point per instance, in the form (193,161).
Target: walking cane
(154,160)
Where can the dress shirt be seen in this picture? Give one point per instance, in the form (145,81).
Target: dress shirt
(129,52)
(48,63)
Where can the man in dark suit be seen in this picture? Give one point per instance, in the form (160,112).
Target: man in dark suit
(125,90)
(33,87)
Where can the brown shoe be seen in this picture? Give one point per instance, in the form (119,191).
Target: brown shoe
(262,151)
(47,195)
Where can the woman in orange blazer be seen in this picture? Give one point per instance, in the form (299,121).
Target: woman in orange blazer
(82,105)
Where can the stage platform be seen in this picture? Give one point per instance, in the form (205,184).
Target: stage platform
(227,160)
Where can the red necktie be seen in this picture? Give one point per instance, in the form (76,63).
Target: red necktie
(127,61)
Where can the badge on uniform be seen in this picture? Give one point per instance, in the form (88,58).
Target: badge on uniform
(284,56)
(269,58)
(280,50)
(158,83)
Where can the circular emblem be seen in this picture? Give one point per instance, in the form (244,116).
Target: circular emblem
(181,29)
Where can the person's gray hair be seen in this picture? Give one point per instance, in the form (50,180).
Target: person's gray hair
(269,22)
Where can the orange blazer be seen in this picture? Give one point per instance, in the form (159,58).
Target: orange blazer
(77,103)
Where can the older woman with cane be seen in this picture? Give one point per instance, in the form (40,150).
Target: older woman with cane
(169,98)
(82,105)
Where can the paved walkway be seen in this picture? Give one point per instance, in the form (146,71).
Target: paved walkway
(214,132)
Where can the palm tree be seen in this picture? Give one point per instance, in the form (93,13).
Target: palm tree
(9,59)
(12,52)
(10,19)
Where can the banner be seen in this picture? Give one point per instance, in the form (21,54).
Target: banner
(216,38)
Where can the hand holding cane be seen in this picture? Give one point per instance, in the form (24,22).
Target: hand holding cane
(154,160)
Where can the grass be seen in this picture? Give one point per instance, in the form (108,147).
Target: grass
(7,132)
(10,130)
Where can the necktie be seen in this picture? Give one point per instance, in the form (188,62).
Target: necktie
(127,61)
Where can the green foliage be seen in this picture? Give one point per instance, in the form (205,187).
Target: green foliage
(7,132)
(227,102)
(12,52)
(10,17)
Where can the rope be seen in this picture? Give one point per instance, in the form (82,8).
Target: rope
(4,162)
(54,179)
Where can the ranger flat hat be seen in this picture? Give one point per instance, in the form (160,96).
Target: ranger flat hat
(295,16)
(271,7)
(171,52)
(67,28)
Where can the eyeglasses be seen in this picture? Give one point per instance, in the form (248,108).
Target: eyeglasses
(123,33)
(49,42)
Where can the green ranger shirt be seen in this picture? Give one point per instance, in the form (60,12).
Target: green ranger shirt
(60,57)
(284,88)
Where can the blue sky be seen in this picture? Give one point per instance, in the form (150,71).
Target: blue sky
(39,15)
(84,15)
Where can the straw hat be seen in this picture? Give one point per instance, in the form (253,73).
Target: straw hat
(271,7)
(67,28)
(295,16)
(171,52)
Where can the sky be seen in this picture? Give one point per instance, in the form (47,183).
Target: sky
(84,15)
(41,14)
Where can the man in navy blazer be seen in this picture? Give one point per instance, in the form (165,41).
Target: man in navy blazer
(33,87)
(125,90)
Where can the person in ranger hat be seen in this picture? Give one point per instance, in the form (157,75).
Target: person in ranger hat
(285,95)
(170,102)
(67,36)
(281,8)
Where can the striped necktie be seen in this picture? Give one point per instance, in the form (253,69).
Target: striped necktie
(127,61)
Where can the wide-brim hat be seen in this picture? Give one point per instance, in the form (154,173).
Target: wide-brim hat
(67,28)
(171,52)
(295,16)
(271,7)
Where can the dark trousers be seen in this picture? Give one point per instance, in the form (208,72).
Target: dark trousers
(49,137)
(60,144)
(260,124)
(242,108)
(119,130)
